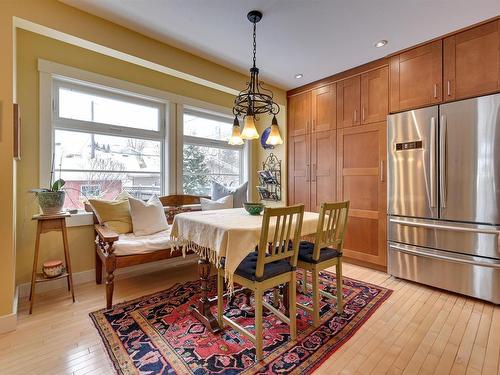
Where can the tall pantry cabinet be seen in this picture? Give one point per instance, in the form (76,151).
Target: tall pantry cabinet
(312,147)
(336,151)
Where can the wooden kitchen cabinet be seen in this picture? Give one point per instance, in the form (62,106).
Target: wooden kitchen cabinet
(323,156)
(374,95)
(349,102)
(311,169)
(299,170)
(324,114)
(472,62)
(415,77)
(361,161)
(299,114)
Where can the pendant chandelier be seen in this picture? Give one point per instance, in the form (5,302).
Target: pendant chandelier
(253,101)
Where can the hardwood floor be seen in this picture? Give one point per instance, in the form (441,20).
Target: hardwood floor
(418,330)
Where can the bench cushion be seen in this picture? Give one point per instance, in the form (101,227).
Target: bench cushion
(306,249)
(248,267)
(130,244)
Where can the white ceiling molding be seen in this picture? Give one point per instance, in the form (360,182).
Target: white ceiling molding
(79,42)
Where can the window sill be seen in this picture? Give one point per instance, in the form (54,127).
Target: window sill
(80,219)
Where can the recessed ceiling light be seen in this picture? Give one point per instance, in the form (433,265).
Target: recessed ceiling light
(299,75)
(381,43)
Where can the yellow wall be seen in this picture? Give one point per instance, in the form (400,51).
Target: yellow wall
(279,151)
(60,17)
(7,167)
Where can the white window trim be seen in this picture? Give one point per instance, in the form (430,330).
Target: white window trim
(172,152)
(246,161)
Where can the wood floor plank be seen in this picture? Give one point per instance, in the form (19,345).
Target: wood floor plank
(418,329)
(491,361)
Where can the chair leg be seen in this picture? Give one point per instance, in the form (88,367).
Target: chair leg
(258,325)
(292,290)
(220,297)
(98,268)
(110,285)
(315,297)
(338,277)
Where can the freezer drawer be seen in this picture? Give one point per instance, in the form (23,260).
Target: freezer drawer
(472,239)
(472,276)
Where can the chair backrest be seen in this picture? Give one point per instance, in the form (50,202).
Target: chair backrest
(283,225)
(331,227)
(180,200)
(178,203)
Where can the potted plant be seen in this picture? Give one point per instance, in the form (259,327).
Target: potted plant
(51,201)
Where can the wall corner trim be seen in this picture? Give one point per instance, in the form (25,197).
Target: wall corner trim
(8,323)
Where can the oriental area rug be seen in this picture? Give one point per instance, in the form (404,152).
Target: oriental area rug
(157,334)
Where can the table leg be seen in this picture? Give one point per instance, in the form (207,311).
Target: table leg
(35,264)
(202,309)
(286,298)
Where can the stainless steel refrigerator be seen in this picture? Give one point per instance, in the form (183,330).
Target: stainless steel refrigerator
(444,196)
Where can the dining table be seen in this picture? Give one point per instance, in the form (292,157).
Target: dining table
(222,238)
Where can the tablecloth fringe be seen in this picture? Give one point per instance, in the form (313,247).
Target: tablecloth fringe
(204,252)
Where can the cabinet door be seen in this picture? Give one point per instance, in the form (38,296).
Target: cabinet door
(361,156)
(348,102)
(323,147)
(415,77)
(299,170)
(375,95)
(299,114)
(471,62)
(324,110)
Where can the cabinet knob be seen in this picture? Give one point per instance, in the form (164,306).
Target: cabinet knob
(448,87)
(435,91)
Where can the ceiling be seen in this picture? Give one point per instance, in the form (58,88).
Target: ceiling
(316,38)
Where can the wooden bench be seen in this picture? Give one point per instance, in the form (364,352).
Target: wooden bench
(106,240)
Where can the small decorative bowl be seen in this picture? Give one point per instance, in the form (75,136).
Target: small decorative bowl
(253,208)
(53,268)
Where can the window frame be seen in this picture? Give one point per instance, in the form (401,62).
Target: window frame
(206,142)
(173,124)
(93,127)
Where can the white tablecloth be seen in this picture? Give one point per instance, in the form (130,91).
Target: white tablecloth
(231,234)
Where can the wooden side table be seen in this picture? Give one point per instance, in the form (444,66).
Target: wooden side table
(49,223)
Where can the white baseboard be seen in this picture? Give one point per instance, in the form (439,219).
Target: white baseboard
(122,273)
(8,322)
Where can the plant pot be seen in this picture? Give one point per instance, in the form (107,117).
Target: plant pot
(51,202)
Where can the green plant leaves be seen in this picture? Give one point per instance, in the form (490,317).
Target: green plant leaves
(57,185)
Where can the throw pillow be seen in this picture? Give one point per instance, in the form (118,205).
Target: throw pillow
(113,214)
(147,217)
(219,204)
(123,195)
(239,194)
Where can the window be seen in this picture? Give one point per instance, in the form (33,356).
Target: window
(206,155)
(105,142)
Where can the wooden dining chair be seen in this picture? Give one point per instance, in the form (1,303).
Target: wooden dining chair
(273,264)
(326,251)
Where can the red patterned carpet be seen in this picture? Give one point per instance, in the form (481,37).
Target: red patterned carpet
(156,334)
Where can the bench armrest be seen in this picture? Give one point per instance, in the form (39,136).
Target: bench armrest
(106,234)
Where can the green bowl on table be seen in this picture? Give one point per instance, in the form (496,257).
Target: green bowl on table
(254,208)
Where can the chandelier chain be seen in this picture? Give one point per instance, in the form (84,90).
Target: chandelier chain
(254,43)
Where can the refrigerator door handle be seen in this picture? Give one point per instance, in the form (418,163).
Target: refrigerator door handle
(443,161)
(432,151)
(444,257)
